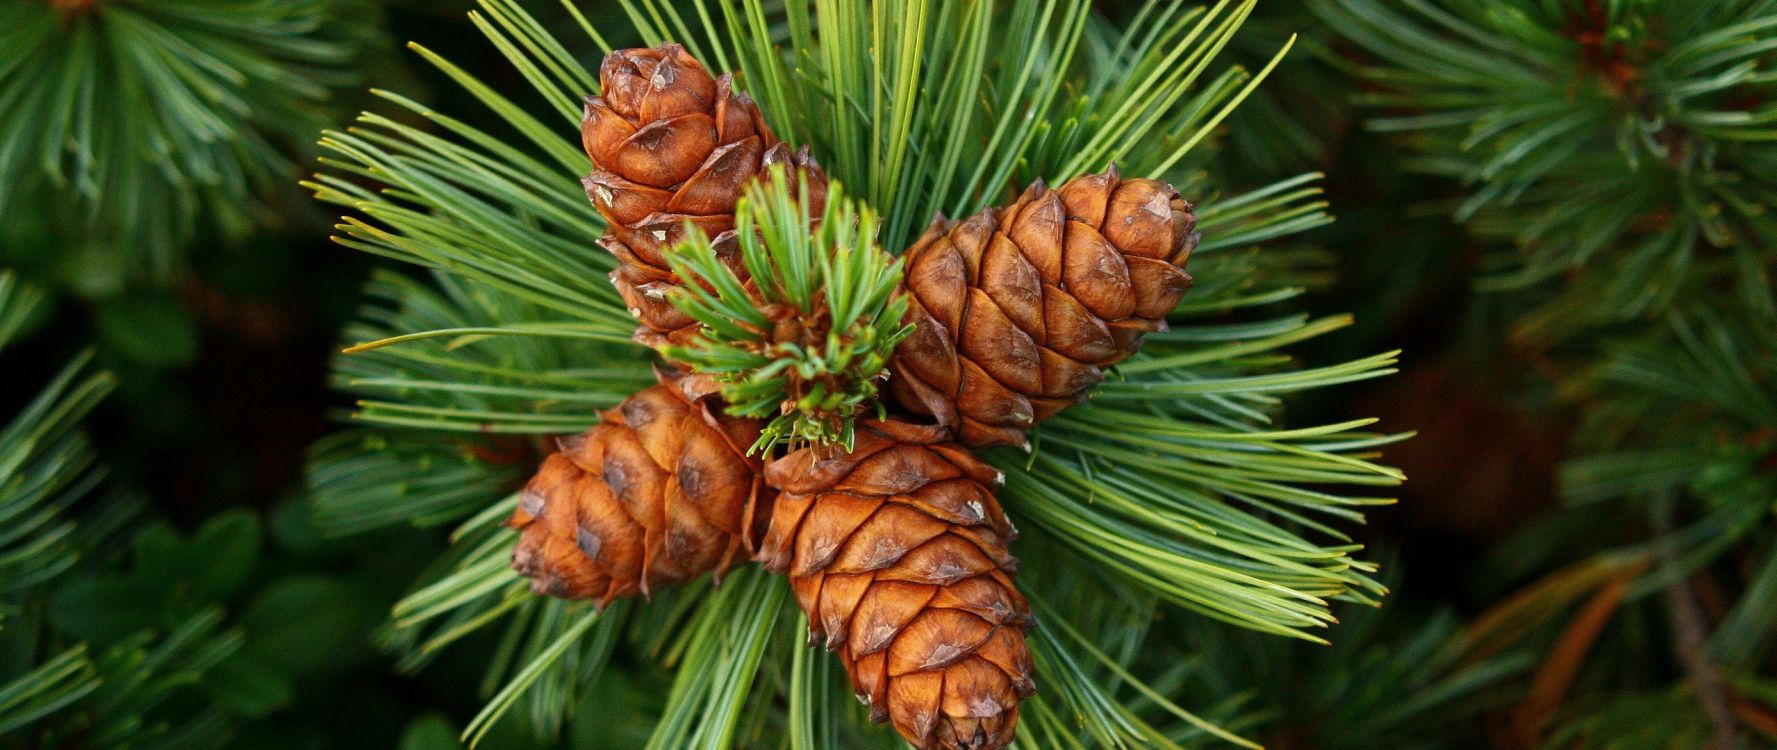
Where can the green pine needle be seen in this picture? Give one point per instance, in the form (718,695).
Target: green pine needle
(46,464)
(131,126)
(805,343)
(1200,501)
(52,686)
(99,694)
(1646,156)
(22,306)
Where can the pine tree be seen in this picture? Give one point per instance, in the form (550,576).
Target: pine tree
(1616,160)
(1173,488)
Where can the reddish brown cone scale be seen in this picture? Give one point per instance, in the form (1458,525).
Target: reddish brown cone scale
(659,492)
(898,553)
(1018,310)
(670,145)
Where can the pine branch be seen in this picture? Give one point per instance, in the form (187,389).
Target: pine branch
(1619,156)
(1687,411)
(1199,492)
(132,126)
(58,685)
(476,371)
(1392,678)
(903,128)
(1632,140)
(46,465)
(50,687)
(1691,638)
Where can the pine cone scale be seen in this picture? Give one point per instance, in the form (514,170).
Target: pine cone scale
(716,185)
(1096,275)
(994,343)
(1015,287)
(656,494)
(665,153)
(671,144)
(898,554)
(1035,227)
(1018,310)
(1157,287)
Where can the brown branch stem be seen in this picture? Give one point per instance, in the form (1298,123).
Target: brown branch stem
(1691,636)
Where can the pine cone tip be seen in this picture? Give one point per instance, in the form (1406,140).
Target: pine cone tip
(780,324)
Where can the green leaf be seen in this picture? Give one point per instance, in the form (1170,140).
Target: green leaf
(430,732)
(302,624)
(148,328)
(250,687)
(222,555)
(103,610)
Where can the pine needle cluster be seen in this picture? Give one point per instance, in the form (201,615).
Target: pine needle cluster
(805,341)
(1175,489)
(57,690)
(133,127)
(1616,159)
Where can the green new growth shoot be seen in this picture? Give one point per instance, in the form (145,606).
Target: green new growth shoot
(804,339)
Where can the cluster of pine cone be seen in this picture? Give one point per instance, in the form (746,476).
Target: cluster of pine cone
(898,550)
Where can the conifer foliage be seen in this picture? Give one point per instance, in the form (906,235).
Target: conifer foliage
(1173,487)
(57,688)
(1616,160)
(137,125)
(803,337)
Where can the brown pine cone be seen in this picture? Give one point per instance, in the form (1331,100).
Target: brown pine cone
(659,492)
(1019,309)
(670,145)
(898,553)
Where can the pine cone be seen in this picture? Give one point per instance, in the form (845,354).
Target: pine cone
(669,144)
(1018,310)
(659,492)
(898,553)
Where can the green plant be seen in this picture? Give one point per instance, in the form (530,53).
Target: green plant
(134,125)
(1615,158)
(1174,482)
(806,346)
